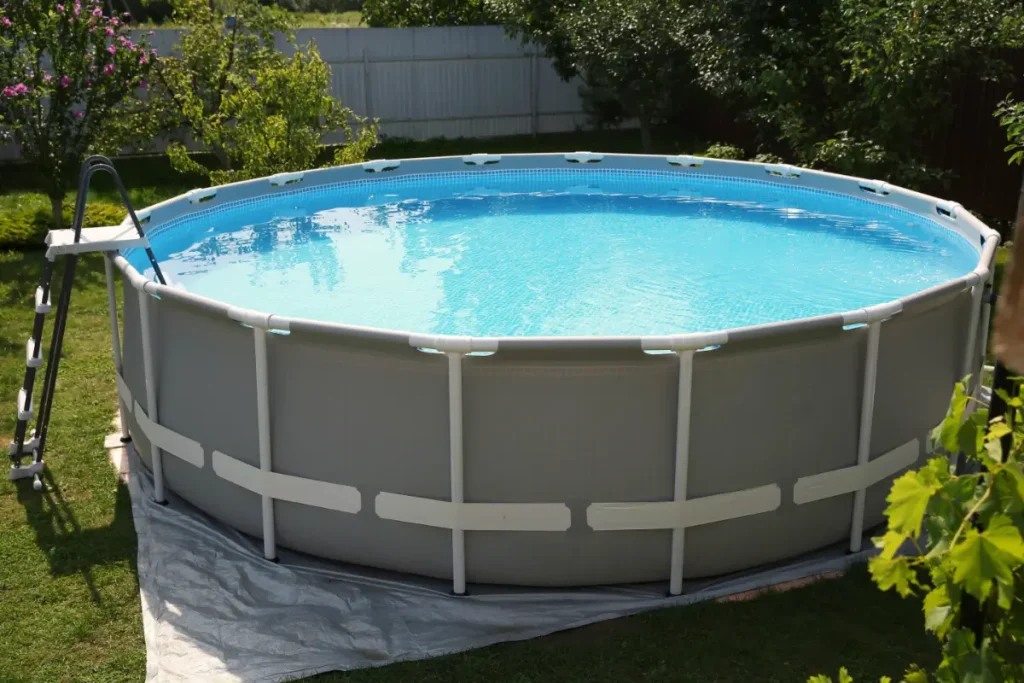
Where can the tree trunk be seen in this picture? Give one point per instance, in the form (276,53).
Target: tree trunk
(645,133)
(1008,337)
(56,211)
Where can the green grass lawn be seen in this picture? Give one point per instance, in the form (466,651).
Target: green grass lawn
(69,606)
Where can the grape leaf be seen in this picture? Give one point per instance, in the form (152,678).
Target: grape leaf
(895,572)
(908,501)
(986,556)
(938,611)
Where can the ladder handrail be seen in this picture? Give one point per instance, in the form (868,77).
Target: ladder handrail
(90,167)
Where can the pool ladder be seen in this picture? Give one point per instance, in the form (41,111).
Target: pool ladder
(69,243)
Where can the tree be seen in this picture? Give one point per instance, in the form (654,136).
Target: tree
(256,110)
(70,78)
(859,86)
(625,51)
(404,13)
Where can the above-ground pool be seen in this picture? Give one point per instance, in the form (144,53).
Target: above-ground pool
(554,370)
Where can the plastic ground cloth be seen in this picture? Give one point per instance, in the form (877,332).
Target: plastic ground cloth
(214,610)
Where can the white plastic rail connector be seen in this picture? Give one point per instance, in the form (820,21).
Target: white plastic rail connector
(871,314)
(949,210)
(266,321)
(584,157)
(481,159)
(684,342)
(201,194)
(42,304)
(286,178)
(380,165)
(879,187)
(33,360)
(685,160)
(784,170)
(449,344)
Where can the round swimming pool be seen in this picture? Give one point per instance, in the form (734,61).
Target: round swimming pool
(567,369)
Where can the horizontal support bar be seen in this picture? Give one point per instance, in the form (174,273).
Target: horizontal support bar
(682,514)
(286,487)
(452,344)
(266,321)
(381,165)
(481,159)
(857,477)
(473,516)
(286,178)
(584,157)
(683,342)
(873,314)
(685,160)
(169,441)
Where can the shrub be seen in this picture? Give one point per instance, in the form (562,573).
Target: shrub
(721,151)
(26,226)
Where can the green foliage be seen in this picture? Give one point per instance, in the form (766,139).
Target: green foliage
(959,537)
(723,151)
(403,13)
(258,111)
(27,225)
(69,78)
(1011,117)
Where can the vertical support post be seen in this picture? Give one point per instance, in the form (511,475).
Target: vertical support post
(986,322)
(534,92)
(115,337)
(455,441)
(867,409)
(263,423)
(367,93)
(683,406)
(151,404)
(972,332)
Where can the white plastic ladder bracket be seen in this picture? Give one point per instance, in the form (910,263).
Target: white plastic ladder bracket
(42,304)
(106,238)
(27,446)
(33,361)
(24,406)
(878,187)
(286,178)
(25,471)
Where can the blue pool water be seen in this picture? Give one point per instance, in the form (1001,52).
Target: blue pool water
(557,253)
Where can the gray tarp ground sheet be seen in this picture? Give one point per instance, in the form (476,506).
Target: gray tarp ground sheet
(214,610)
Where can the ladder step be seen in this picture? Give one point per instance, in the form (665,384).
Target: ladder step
(30,360)
(24,406)
(42,306)
(27,447)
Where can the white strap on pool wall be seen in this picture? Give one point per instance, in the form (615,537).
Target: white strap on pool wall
(169,441)
(683,513)
(156,457)
(286,487)
(856,477)
(124,392)
(473,516)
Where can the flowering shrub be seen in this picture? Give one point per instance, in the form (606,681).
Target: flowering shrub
(70,77)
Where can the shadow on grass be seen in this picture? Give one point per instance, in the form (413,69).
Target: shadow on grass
(68,548)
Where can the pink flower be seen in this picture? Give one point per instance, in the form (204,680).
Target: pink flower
(19,89)
(111,49)
(4,21)
(47,78)
(110,31)
(65,81)
(143,59)
(97,12)
(78,8)
(108,69)
(79,114)
(143,84)
(60,8)
(152,33)
(152,53)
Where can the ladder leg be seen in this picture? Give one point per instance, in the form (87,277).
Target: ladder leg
(35,342)
(53,360)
